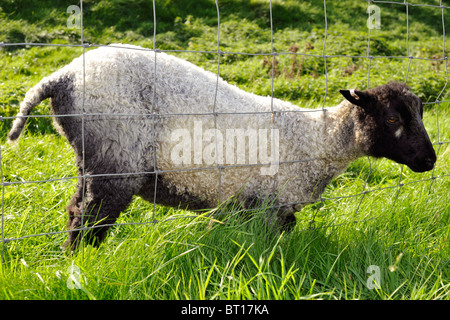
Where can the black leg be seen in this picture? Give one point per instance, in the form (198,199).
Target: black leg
(105,198)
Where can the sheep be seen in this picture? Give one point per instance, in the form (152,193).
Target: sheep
(150,124)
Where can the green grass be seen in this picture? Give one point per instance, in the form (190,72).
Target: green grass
(187,258)
(377,213)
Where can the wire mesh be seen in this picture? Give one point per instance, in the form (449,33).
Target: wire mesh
(86,115)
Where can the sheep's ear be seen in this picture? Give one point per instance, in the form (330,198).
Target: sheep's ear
(356,97)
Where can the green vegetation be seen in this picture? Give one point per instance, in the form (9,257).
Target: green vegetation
(402,220)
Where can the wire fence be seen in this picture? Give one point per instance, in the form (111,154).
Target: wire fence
(152,115)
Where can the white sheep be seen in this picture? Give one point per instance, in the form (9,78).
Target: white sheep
(140,120)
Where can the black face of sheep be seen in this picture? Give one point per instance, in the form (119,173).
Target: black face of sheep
(392,117)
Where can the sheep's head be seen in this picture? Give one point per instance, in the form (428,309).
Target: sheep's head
(390,116)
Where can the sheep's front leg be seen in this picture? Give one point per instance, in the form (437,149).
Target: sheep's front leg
(104,199)
(286,220)
(278,216)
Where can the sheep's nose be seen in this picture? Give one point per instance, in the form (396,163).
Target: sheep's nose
(429,162)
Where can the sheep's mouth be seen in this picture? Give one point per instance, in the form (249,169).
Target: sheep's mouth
(423,166)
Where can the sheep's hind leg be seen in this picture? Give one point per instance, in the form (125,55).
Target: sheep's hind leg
(104,199)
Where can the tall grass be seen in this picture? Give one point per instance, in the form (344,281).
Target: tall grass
(403,230)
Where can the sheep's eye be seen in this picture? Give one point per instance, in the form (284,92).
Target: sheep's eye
(392,120)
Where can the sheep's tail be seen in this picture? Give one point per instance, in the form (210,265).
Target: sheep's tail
(33,97)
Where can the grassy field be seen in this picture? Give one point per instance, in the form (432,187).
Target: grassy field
(378,215)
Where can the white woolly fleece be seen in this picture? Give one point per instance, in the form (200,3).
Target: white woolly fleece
(121,81)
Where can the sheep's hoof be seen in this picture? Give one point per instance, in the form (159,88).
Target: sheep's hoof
(68,246)
(286,222)
(71,245)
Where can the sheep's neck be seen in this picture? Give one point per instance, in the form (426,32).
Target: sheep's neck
(336,133)
(343,132)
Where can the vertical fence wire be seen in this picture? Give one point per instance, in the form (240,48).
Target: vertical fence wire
(215,114)
(272,111)
(273,53)
(3,207)
(324,112)
(364,190)
(153,115)
(83,123)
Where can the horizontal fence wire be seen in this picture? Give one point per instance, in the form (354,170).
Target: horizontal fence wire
(86,116)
